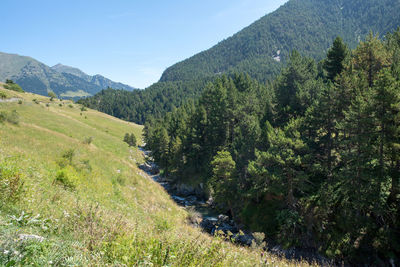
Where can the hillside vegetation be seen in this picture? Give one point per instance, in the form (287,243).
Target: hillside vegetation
(312,159)
(260,50)
(71,194)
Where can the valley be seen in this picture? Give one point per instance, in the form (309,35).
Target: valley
(266,135)
(79,197)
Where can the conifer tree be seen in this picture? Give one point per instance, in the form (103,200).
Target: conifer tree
(224,180)
(336,56)
(295,89)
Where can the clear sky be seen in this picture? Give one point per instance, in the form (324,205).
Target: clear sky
(129,41)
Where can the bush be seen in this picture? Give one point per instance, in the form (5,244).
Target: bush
(10,85)
(83,108)
(20,102)
(3,116)
(66,177)
(52,95)
(3,95)
(71,106)
(35,101)
(66,158)
(130,139)
(11,182)
(11,117)
(88,140)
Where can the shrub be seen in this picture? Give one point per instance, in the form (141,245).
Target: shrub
(52,95)
(10,85)
(3,116)
(66,177)
(193,217)
(88,140)
(66,158)
(20,102)
(71,106)
(3,95)
(130,139)
(259,240)
(60,105)
(35,101)
(11,117)
(11,182)
(83,108)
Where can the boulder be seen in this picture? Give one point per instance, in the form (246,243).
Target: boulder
(223,219)
(208,225)
(243,239)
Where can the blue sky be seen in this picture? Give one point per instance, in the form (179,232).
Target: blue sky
(129,41)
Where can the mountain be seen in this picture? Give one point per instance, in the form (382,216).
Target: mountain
(36,77)
(308,26)
(261,50)
(97,79)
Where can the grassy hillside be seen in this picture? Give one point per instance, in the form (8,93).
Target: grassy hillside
(71,194)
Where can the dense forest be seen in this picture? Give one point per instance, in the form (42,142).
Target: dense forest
(139,105)
(312,159)
(260,50)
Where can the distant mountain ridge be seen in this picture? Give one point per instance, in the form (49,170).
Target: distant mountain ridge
(68,82)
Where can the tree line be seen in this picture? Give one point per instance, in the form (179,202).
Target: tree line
(312,159)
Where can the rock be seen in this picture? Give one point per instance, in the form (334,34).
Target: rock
(210,202)
(149,168)
(185,190)
(225,227)
(243,239)
(24,237)
(208,225)
(223,219)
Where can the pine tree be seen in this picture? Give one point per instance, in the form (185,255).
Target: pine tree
(370,57)
(386,105)
(296,89)
(224,180)
(336,56)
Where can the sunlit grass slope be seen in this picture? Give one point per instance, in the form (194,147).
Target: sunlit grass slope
(71,194)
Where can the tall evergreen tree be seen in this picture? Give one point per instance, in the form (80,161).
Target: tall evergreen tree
(336,56)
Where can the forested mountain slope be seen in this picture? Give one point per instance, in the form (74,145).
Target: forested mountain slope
(260,50)
(308,26)
(36,77)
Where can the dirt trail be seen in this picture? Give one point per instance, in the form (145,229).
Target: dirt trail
(9,100)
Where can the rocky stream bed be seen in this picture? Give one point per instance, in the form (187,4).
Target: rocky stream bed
(214,223)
